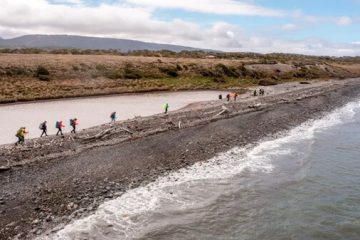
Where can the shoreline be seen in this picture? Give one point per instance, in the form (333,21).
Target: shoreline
(48,187)
(101,95)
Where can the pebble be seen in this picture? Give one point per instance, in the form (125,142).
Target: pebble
(36,221)
(71,206)
(49,218)
(11,224)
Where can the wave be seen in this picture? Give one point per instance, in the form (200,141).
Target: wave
(129,216)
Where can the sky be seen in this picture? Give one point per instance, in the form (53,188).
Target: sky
(316,27)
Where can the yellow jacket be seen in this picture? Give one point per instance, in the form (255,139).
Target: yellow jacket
(21,132)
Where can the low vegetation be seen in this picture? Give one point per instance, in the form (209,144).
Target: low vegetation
(36,75)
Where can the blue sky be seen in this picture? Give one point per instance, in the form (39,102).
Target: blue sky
(319,27)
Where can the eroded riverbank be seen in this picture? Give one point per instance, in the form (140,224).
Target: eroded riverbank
(47,185)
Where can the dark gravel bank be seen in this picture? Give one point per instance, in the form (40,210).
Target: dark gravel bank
(46,187)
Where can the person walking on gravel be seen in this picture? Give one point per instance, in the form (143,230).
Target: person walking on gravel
(59,125)
(73,123)
(166,108)
(113,117)
(235,96)
(43,128)
(21,135)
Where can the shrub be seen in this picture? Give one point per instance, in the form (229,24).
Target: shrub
(227,71)
(207,73)
(179,67)
(14,71)
(42,73)
(219,80)
(100,67)
(170,71)
(115,74)
(267,82)
(44,77)
(130,72)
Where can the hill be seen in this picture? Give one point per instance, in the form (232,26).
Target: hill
(81,42)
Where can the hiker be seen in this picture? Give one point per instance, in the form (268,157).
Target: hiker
(255,93)
(21,135)
(113,117)
(73,123)
(228,97)
(235,96)
(166,108)
(59,125)
(220,97)
(43,128)
(263,92)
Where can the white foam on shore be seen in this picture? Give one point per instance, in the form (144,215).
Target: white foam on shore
(128,216)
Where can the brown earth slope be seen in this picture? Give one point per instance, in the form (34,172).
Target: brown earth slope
(25,77)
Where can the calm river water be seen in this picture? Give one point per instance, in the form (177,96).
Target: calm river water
(305,184)
(91,111)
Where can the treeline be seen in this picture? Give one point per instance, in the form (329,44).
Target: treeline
(263,58)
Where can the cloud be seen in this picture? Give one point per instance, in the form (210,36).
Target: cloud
(305,46)
(107,20)
(340,21)
(344,21)
(76,2)
(124,20)
(290,27)
(222,7)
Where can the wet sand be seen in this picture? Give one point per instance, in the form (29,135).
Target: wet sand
(51,181)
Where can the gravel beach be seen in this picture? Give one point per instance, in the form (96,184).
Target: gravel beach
(50,181)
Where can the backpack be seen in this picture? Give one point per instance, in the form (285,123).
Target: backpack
(113,115)
(41,126)
(18,133)
(71,122)
(57,124)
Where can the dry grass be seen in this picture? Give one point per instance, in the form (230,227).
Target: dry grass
(23,76)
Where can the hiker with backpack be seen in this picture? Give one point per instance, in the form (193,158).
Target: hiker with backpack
(21,133)
(262,92)
(113,117)
(73,123)
(59,125)
(43,128)
(166,108)
(235,96)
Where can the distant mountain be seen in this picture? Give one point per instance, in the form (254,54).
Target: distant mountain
(80,42)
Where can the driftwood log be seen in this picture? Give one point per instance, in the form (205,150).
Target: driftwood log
(106,133)
(224,110)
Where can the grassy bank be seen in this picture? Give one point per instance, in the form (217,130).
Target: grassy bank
(26,77)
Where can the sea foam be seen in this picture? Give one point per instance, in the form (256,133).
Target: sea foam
(128,216)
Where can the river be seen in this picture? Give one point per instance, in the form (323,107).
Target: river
(302,184)
(91,111)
